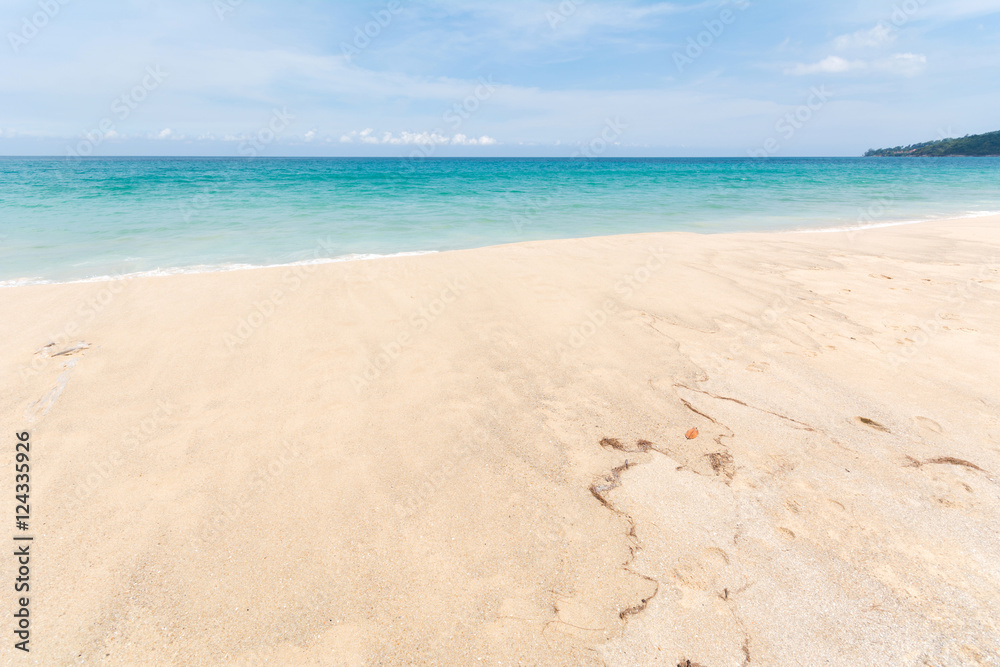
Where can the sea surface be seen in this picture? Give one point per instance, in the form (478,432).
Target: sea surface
(66,219)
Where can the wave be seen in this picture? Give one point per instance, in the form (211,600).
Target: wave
(207,268)
(894,223)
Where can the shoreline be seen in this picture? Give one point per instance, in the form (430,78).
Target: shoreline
(229,268)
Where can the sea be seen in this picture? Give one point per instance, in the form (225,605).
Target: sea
(72,219)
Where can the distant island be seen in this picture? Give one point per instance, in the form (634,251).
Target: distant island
(976,145)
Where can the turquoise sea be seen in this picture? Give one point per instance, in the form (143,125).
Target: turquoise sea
(64,219)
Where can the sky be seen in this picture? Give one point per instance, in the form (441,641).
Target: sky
(608,78)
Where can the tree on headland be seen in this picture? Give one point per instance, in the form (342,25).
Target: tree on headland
(976,145)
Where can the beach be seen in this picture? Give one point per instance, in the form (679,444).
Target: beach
(483,456)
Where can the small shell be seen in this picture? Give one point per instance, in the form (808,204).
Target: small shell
(692,434)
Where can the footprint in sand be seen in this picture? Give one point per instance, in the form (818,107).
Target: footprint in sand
(952,491)
(836,504)
(925,424)
(871,423)
(701,571)
(759,367)
(952,461)
(793,506)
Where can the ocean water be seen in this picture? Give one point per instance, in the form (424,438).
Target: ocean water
(65,219)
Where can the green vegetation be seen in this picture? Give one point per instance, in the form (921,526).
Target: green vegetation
(977,145)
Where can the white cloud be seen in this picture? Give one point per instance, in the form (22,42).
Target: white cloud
(903,64)
(829,65)
(164,133)
(960,9)
(906,64)
(405,138)
(462,140)
(365,136)
(310,135)
(412,138)
(880,35)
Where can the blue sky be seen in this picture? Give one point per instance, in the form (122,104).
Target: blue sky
(523,77)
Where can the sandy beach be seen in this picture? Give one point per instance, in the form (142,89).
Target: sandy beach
(482,457)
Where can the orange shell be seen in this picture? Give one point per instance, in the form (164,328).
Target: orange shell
(692,434)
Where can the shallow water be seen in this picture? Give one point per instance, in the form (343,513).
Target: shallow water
(64,219)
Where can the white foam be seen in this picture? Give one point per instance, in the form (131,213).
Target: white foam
(895,223)
(207,268)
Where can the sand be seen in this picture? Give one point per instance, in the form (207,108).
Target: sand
(479,457)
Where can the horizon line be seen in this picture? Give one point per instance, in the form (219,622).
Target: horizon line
(581,158)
